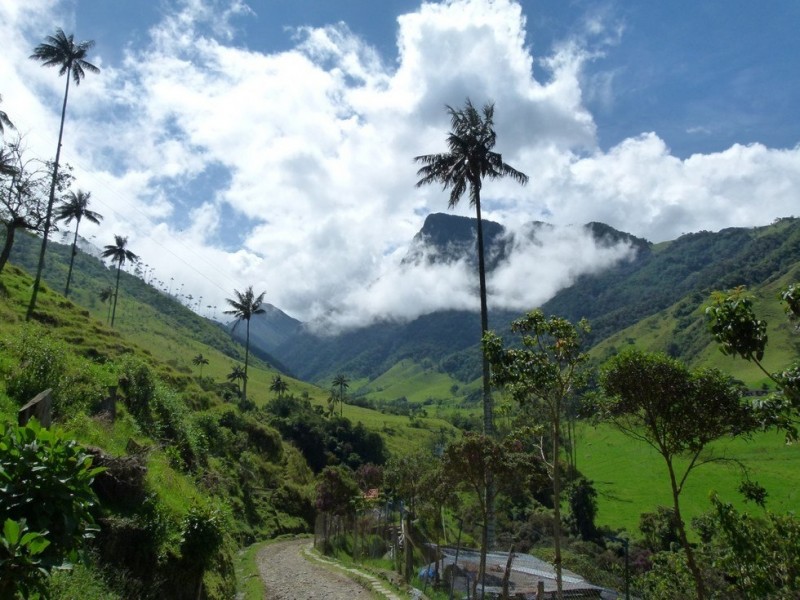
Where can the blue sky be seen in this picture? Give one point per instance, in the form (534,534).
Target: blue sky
(270,142)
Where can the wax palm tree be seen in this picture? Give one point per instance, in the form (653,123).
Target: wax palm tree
(243,307)
(342,383)
(279,386)
(76,207)
(237,376)
(200,361)
(7,166)
(118,253)
(468,161)
(4,120)
(59,50)
(106,295)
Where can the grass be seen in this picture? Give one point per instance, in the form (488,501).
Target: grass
(249,585)
(631,477)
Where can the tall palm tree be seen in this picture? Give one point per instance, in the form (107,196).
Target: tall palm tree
(200,361)
(106,294)
(341,382)
(76,206)
(237,376)
(4,120)
(119,254)
(279,386)
(243,307)
(59,50)
(468,161)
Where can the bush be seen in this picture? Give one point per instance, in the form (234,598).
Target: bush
(45,489)
(42,365)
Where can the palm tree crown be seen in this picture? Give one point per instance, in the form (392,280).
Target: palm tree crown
(4,120)
(470,158)
(59,50)
(279,386)
(76,207)
(118,253)
(243,307)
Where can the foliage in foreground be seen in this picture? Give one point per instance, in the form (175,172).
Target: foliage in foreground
(47,501)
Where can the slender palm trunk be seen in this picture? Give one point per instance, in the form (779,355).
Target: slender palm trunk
(50,202)
(488,405)
(72,257)
(116,294)
(246,360)
(690,559)
(557,504)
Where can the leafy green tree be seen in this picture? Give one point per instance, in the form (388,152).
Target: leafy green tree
(45,495)
(655,399)
(200,361)
(118,253)
(279,386)
(468,161)
(243,307)
(732,321)
(59,50)
(4,120)
(468,463)
(545,369)
(340,384)
(76,207)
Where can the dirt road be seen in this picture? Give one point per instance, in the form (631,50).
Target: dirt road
(289,575)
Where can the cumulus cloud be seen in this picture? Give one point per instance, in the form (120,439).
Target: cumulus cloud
(228,166)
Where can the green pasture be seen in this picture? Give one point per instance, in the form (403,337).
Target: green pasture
(631,478)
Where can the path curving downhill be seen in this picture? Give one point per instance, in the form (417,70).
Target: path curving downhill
(290,572)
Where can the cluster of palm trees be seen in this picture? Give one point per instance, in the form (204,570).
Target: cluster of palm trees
(63,52)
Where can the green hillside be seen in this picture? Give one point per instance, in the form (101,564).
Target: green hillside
(202,453)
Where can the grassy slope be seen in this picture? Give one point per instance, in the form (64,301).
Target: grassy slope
(631,477)
(154,325)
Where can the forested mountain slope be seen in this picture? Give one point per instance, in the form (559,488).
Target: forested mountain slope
(658,276)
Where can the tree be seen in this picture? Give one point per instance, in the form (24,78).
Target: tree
(657,400)
(732,321)
(22,200)
(106,295)
(59,50)
(279,386)
(467,163)
(76,207)
(200,361)
(342,383)
(118,254)
(237,375)
(243,307)
(546,369)
(4,120)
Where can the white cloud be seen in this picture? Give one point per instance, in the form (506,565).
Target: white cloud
(309,153)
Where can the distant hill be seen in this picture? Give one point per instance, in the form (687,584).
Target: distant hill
(658,276)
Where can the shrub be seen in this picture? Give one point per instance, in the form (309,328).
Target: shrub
(45,497)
